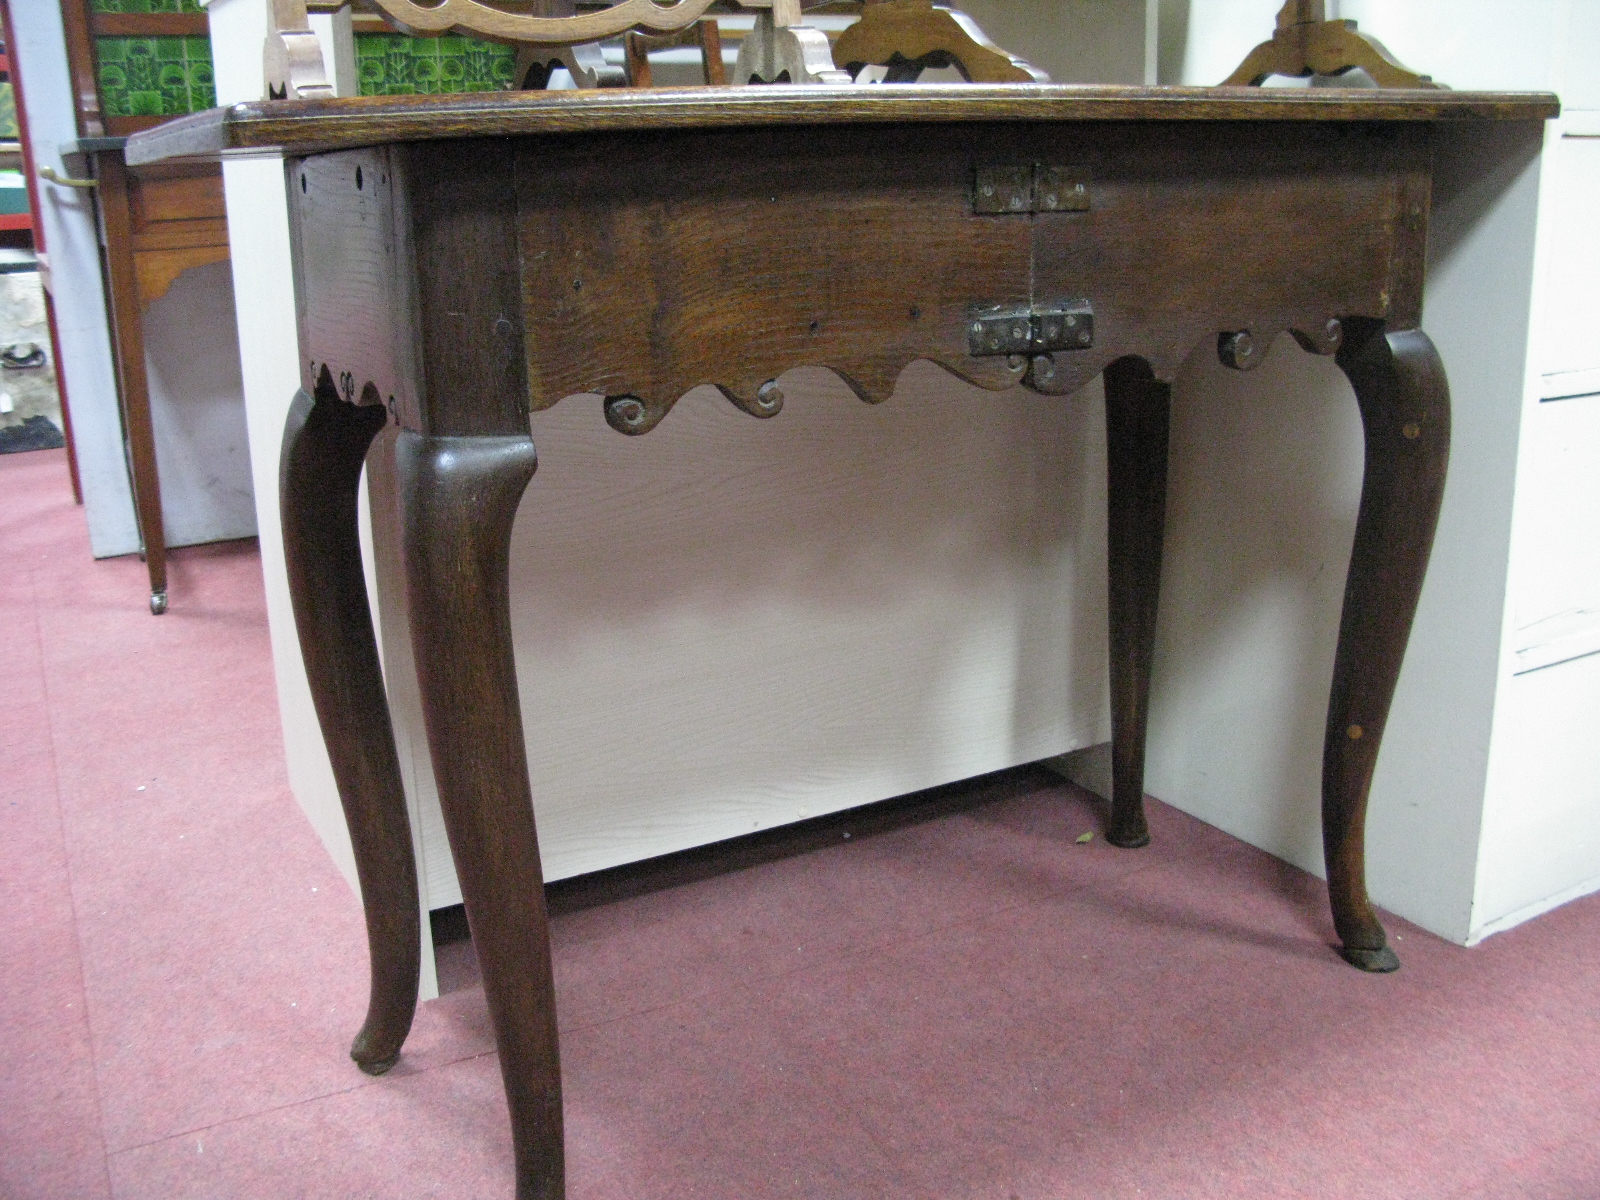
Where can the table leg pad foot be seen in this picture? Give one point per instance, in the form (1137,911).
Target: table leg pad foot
(378,1066)
(1378,962)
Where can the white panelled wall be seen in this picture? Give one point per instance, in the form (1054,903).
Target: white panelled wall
(731,624)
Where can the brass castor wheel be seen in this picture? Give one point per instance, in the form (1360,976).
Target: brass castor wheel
(158,603)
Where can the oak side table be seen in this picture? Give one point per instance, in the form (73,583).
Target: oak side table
(462,260)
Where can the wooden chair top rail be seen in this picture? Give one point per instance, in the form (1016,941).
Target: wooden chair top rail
(314,126)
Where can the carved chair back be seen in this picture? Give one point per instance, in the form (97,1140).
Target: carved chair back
(905,36)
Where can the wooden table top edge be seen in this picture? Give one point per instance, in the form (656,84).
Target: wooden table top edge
(297,127)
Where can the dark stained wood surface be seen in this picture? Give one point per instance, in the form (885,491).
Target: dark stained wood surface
(127,328)
(355,299)
(459,497)
(1138,424)
(308,126)
(637,247)
(648,264)
(469,294)
(146,25)
(1404,399)
(324,445)
(81,67)
(659,262)
(1256,227)
(410,289)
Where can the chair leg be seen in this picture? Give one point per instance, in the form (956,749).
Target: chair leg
(459,497)
(324,445)
(1404,397)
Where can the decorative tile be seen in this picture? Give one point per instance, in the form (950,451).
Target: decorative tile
(8,114)
(145,6)
(154,76)
(391,64)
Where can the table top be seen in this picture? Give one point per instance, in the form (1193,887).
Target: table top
(299,127)
(91,145)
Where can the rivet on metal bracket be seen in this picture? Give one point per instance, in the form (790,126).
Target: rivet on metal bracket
(1060,189)
(1238,350)
(1003,190)
(1063,325)
(1036,329)
(1032,189)
(997,329)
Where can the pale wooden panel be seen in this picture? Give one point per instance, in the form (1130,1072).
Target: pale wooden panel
(197,406)
(177,198)
(732,624)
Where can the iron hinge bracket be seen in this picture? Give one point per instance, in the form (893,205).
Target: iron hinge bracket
(1030,329)
(1035,188)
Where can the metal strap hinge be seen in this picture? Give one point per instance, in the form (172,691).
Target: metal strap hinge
(1030,329)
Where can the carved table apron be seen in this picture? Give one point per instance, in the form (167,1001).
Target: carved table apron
(462,260)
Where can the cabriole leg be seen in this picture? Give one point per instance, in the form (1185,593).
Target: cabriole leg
(1138,416)
(459,497)
(324,445)
(1405,412)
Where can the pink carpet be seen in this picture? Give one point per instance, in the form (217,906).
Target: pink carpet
(955,1003)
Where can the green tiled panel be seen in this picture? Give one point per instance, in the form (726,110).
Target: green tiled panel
(391,64)
(145,6)
(8,114)
(154,77)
